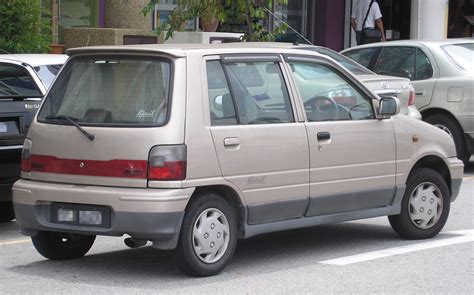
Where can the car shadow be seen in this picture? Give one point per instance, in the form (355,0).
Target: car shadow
(150,268)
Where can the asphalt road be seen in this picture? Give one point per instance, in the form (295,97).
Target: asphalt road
(352,257)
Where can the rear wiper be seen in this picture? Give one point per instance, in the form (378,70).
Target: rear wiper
(74,123)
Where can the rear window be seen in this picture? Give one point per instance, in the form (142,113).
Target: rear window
(462,55)
(16,82)
(111,91)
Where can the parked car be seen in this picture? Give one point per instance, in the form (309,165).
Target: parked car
(24,79)
(192,147)
(379,84)
(442,73)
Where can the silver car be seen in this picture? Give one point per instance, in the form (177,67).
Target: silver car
(442,73)
(193,147)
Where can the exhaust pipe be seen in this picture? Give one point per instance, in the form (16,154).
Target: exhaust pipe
(135,243)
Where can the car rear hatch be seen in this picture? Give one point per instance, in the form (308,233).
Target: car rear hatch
(102,117)
(389,86)
(20,97)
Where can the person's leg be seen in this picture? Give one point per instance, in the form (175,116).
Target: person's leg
(358,37)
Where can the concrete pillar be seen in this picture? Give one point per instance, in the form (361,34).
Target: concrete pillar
(126,14)
(429,19)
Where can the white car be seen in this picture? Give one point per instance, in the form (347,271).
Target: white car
(442,73)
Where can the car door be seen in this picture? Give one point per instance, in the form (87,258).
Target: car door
(352,154)
(261,147)
(408,62)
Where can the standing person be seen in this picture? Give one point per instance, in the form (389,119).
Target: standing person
(366,20)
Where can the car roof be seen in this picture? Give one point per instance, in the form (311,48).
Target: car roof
(428,43)
(179,50)
(35,59)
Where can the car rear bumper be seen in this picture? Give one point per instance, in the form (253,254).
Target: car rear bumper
(150,214)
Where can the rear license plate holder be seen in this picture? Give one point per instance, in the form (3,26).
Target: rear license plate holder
(80,215)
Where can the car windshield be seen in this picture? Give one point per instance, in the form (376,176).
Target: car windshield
(462,55)
(15,82)
(47,73)
(349,64)
(110,91)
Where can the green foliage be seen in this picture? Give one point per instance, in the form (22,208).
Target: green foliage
(22,28)
(250,13)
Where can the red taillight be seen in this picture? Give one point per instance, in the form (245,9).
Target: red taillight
(411,98)
(167,162)
(26,156)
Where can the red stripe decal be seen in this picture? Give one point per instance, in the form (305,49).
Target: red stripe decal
(112,168)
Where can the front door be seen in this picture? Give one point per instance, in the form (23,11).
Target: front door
(261,148)
(352,154)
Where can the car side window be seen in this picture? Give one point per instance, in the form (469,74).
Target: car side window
(221,106)
(257,90)
(396,61)
(362,56)
(327,96)
(424,70)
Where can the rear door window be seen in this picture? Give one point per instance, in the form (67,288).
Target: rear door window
(363,56)
(16,82)
(111,90)
(247,93)
(424,70)
(396,61)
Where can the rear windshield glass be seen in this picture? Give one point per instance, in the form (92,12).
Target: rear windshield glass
(47,73)
(462,55)
(349,64)
(16,82)
(112,91)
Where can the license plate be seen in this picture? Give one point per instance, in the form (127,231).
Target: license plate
(81,215)
(3,127)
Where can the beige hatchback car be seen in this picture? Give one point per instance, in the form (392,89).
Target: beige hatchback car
(193,147)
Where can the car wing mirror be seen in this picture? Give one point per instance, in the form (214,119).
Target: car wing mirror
(388,106)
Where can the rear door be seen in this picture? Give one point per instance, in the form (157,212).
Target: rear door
(352,153)
(261,147)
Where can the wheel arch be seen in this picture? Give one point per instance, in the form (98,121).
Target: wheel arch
(434,163)
(227,193)
(435,111)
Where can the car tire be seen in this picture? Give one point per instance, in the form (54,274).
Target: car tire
(6,212)
(208,236)
(425,206)
(62,246)
(452,128)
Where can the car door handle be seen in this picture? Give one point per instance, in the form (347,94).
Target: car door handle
(231,141)
(324,136)
(420,93)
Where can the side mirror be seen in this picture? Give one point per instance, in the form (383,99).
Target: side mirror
(218,102)
(388,106)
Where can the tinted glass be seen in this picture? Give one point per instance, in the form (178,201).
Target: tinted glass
(327,96)
(47,73)
(221,106)
(352,66)
(16,82)
(263,103)
(111,91)
(424,70)
(396,61)
(362,56)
